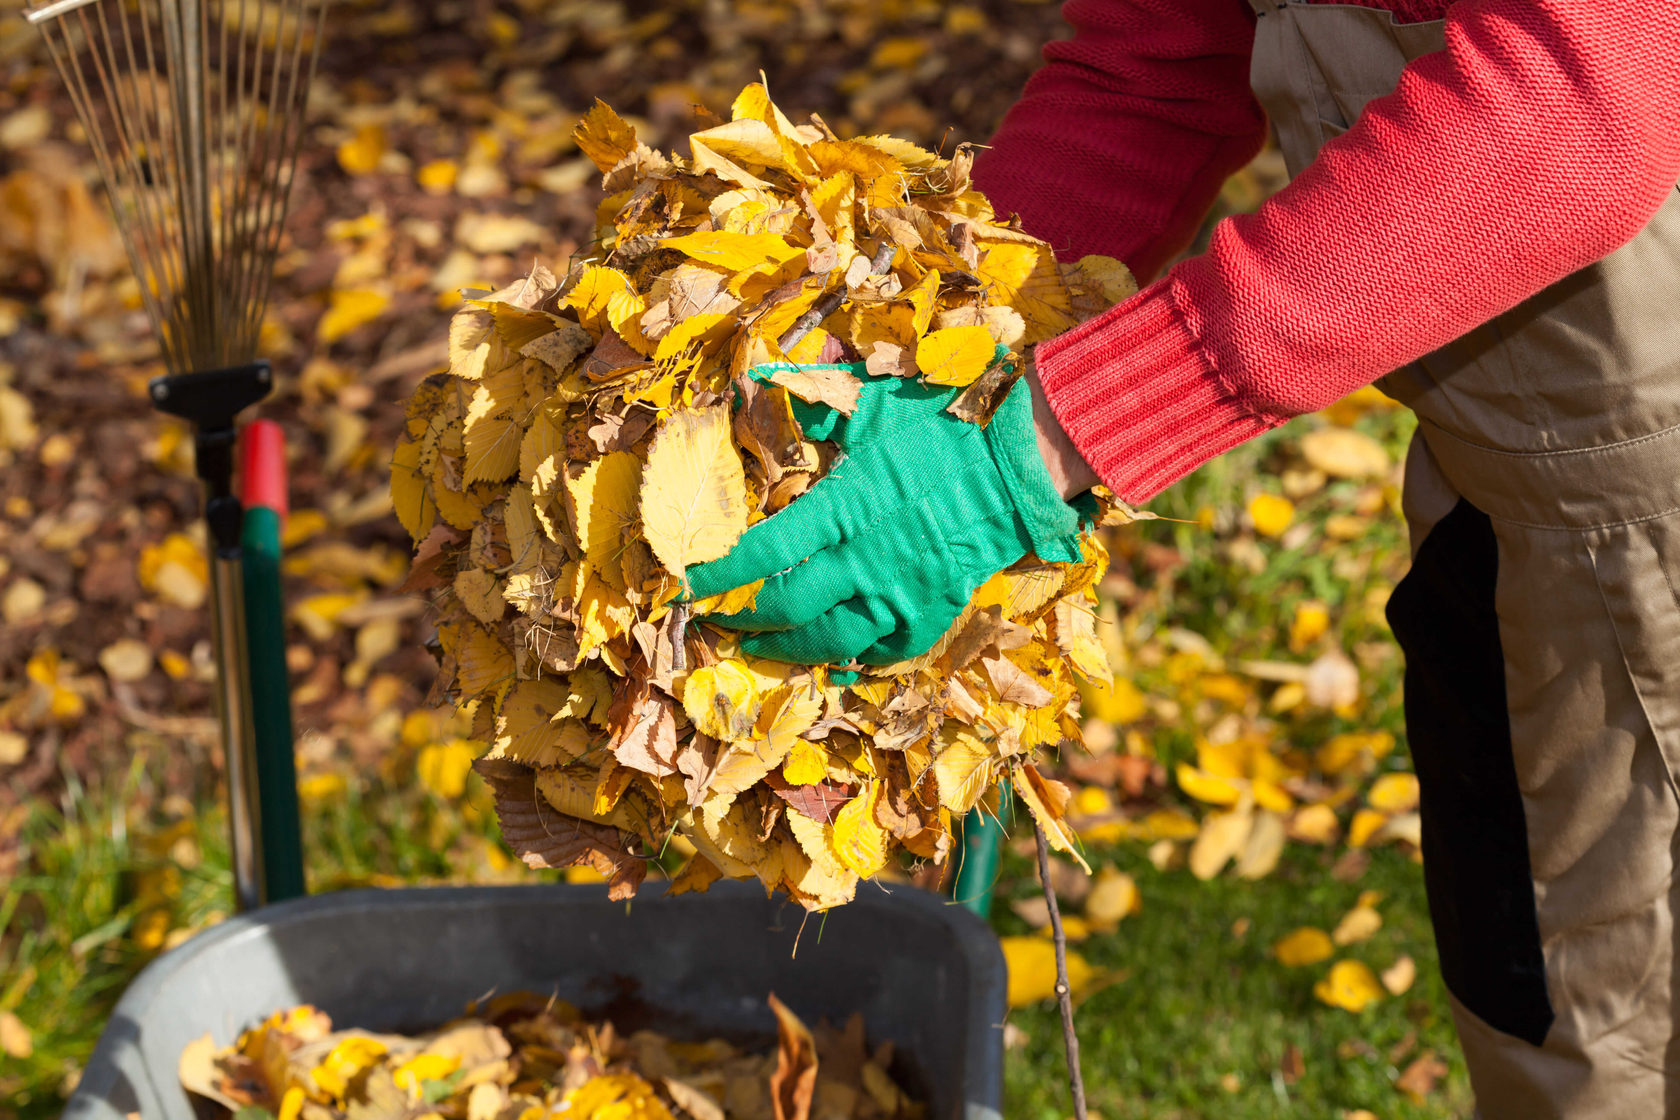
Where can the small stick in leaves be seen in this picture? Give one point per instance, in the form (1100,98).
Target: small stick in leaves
(1064,993)
(804,325)
(830,303)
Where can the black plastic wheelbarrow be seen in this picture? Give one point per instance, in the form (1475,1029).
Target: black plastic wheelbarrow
(925,973)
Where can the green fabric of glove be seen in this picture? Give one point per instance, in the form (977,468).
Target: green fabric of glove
(877,559)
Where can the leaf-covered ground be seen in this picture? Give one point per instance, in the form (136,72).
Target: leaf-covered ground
(439,155)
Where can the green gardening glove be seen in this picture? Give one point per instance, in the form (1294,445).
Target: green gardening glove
(876,560)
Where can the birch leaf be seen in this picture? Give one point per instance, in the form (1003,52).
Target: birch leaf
(694,499)
(955,355)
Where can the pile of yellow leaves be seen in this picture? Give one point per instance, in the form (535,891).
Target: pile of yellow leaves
(524,1056)
(596,435)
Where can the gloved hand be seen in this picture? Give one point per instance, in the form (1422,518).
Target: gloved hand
(877,559)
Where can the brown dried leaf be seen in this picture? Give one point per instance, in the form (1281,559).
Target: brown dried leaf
(1418,1080)
(1014,684)
(644,732)
(980,401)
(794,1084)
(543,837)
(821,385)
(820,801)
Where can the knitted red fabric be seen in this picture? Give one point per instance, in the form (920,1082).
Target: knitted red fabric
(1541,139)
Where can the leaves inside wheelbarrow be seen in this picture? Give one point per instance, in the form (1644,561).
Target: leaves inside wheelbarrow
(527,1055)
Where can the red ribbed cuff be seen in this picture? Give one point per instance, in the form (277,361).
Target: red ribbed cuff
(1138,394)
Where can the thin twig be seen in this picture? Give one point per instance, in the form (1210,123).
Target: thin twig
(1064,993)
(679,636)
(830,303)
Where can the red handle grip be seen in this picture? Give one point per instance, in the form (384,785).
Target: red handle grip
(262,466)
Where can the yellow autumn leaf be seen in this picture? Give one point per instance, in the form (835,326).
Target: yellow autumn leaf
(963,769)
(1364,826)
(1356,925)
(859,842)
(729,602)
(691,341)
(1269,795)
(347,310)
(1314,824)
(694,498)
(607,302)
(176,570)
(438,176)
(536,725)
(1092,801)
(788,713)
(1074,928)
(410,495)
(443,767)
(1120,701)
(1344,453)
(1263,847)
(344,1063)
(1350,985)
(1221,839)
(360,155)
(814,874)
(1205,787)
(16,1041)
(1356,751)
(603,612)
(955,355)
(1105,277)
(614,1096)
(414,1073)
(1309,623)
(484,663)
(603,136)
(1031,962)
(1023,275)
(1047,800)
(603,502)
(1394,793)
(722,700)
(806,764)
(1114,895)
(1271,514)
(480,592)
(1304,946)
(1168,824)
(736,252)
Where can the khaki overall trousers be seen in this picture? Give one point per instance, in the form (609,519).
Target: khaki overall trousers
(1541,627)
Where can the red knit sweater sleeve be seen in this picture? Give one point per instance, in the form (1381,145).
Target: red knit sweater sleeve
(1121,140)
(1542,138)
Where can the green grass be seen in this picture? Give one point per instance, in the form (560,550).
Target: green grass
(1199,1023)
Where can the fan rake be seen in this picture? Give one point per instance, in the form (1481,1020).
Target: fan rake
(194,110)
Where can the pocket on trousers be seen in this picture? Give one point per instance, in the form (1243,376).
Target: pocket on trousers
(1638,572)
(1475,836)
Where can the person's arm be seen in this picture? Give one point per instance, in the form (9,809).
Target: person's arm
(1121,141)
(1541,139)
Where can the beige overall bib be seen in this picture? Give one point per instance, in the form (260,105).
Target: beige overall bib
(1541,625)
